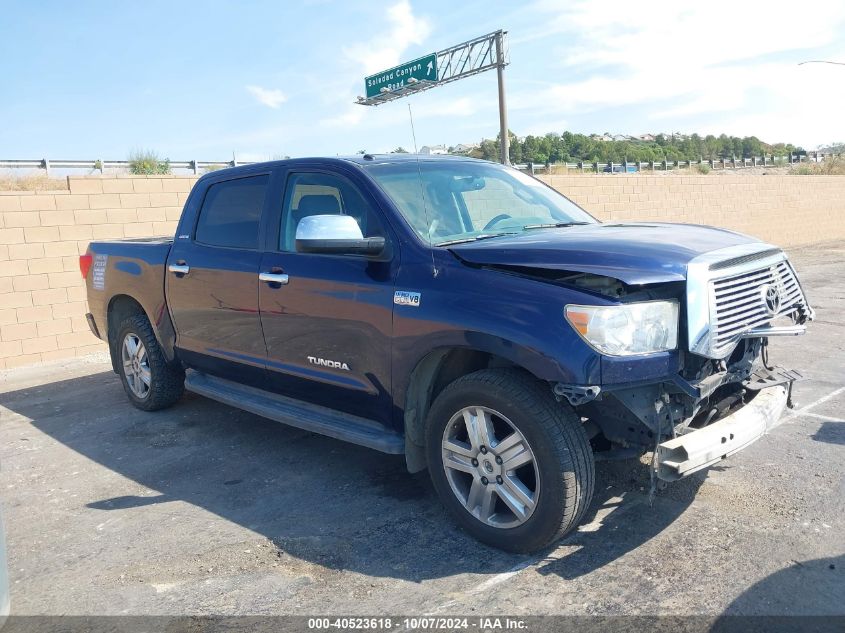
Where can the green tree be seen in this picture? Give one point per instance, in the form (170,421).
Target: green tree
(751,146)
(574,147)
(489,150)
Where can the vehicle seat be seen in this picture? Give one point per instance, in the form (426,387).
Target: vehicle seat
(310,205)
(315,205)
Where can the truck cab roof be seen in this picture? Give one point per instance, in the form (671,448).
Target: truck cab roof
(355,159)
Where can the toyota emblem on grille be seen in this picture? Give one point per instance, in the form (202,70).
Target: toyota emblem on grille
(771,297)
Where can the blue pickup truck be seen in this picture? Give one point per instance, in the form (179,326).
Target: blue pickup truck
(462,314)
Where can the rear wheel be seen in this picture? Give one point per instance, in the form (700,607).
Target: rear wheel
(148,379)
(511,464)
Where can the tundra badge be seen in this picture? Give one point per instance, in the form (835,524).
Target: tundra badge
(334,364)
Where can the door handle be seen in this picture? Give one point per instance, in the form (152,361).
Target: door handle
(274,278)
(179,269)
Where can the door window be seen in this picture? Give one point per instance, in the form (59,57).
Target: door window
(323,194)
(231,213)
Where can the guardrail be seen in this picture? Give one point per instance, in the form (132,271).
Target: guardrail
(196,166)
(712,163)
(48,164)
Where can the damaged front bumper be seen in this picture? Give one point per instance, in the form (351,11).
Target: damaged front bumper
(688,453)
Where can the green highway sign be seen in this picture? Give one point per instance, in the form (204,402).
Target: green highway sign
(422,69)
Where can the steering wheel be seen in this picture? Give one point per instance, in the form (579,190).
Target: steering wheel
(496,220)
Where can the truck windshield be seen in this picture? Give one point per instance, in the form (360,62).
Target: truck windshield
(455,201)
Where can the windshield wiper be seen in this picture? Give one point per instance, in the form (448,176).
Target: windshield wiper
(463,240)
(554,225)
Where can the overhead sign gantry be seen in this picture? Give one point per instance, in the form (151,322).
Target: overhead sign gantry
(456,62)
(411,73)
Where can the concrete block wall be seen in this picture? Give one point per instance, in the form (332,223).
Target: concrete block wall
(42,234)
(42,295)
(784,210)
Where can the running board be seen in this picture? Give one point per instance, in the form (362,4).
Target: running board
(302,415)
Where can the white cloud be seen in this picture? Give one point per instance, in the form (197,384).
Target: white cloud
(353,115)
(431,108)
(404,29)
(667,32)
(271,97)
(444,107)
(690,65)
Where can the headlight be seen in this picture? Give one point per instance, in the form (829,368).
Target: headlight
(628,329)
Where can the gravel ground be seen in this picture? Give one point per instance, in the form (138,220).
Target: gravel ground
(204,509)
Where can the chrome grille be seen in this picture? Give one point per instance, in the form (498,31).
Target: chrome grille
(744,259)
(727,296)
(738,302)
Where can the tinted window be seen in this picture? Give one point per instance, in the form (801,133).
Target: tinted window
(322,194)
(231,212)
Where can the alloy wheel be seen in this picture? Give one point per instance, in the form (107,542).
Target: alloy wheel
(136,366)
(490,467)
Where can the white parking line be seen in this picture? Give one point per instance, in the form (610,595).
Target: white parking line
(615,506)
(610,506)
(815,403)
(826,418)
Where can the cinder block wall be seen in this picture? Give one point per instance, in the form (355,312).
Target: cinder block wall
(785,210)
(42,295)
(42,234)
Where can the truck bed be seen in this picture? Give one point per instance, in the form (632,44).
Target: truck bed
(134,267)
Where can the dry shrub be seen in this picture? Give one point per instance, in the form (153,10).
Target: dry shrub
(832,166)
(32,183)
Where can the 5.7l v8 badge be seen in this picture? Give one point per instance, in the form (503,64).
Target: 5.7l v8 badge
(405,298)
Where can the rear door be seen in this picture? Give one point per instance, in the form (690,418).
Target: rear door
(328,328)
(212,280)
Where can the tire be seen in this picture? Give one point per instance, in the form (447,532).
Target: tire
(525,508)
(164,382)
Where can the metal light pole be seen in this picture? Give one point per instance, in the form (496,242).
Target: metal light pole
(504,141)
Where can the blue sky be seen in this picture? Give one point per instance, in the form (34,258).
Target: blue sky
(268,78)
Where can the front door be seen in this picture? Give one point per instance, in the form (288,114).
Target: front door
(212,282)
(328,326)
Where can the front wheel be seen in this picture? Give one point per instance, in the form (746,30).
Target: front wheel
(512,465)
(148,379)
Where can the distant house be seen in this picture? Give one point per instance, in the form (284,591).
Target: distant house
(430,150)
(621,137)
(464,148)
(648,138)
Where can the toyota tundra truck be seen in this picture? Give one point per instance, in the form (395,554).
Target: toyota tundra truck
(462,314)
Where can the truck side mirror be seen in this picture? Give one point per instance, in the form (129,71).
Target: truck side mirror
(335,235)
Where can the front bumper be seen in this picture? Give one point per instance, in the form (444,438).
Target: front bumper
(688,453)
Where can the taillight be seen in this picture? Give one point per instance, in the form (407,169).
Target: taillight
(85,262)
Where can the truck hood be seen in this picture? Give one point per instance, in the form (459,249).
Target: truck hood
(634,253)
